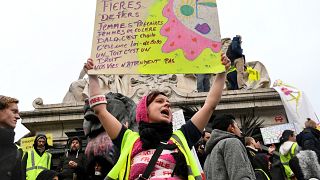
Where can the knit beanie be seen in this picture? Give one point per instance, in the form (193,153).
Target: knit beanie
(142,110)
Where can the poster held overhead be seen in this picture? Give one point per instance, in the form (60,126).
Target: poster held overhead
(272,134)
(156,37)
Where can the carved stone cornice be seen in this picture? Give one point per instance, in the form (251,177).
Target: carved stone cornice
(238,99)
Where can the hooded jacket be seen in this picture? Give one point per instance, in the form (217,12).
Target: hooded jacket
(227,158)
(26,156)
(287,150)
(77,156)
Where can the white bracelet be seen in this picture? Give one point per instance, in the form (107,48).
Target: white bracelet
(96,100)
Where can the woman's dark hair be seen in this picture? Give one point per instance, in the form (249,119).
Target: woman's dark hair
(152,95)
(47,175)
(106,166)
(285,136)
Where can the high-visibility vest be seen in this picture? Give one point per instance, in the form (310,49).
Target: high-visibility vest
(36,164)
(286,158)
(121,170)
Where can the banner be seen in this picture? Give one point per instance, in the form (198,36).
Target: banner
(296,104)
(156,37)
(27,143)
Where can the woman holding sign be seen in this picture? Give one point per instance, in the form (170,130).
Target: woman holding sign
(155,152)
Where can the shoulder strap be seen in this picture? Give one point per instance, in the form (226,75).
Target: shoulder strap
(154,159)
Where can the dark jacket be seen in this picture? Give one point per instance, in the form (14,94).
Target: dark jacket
(77,156)
(261,170)
(234,50)
(309,139)
(227,158)
(10,156)
(259,161)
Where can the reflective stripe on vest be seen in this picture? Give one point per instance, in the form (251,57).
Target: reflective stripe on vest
(286,158)
(193,170)
(122,168)
(263,173)
(36,164)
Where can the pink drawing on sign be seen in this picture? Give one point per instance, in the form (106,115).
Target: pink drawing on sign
(286,91)
(181,37)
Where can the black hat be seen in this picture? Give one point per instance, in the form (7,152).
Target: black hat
(223,121)
(285,136)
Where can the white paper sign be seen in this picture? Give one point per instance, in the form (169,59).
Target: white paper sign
(272,134)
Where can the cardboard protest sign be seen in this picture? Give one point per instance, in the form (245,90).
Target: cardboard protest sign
(27,143)
(156,37)
(272,134)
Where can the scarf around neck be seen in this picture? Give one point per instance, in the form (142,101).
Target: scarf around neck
(151,134)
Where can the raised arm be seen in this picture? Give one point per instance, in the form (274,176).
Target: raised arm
(111,125)
(201,118)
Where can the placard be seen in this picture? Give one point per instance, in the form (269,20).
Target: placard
(272,134)
(156,37)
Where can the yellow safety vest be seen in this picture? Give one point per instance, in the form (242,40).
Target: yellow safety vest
(286,158)
(36,164)
(122,167)
(253,75)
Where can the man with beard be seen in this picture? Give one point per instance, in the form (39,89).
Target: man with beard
(10,155)
(73,163)
(37,159)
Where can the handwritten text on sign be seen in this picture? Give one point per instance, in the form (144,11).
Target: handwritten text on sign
(156,37)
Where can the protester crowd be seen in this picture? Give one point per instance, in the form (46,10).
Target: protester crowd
(158,152)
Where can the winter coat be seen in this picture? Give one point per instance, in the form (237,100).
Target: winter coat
(234,50)
(305,165)
(259,162)
(10,157)
(77,156)
(309,139)
(227,158)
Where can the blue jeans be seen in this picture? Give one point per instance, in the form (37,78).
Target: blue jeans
(203,82)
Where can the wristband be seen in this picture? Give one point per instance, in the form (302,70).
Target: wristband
(96,100)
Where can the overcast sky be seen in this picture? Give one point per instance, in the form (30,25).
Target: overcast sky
(43,44)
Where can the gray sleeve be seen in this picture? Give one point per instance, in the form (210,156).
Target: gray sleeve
(236,160)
